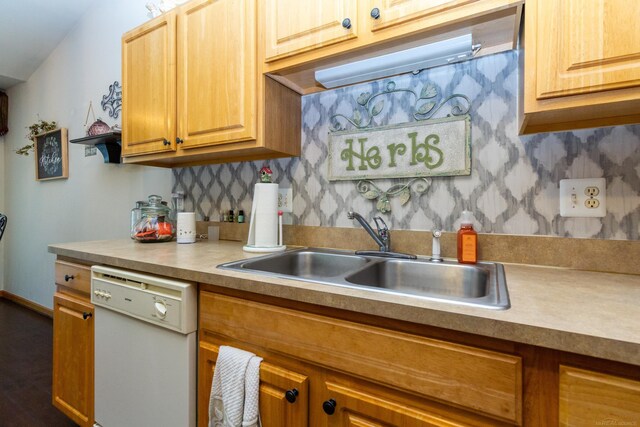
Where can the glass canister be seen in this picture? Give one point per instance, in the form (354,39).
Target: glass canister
(155,224)
(136,215)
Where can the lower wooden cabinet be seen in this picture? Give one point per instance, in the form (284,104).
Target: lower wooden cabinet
(357,374)
(73,338)
(284,394)
(594,398)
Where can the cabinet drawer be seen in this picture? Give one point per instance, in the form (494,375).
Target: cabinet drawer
(477,379)
(74,276)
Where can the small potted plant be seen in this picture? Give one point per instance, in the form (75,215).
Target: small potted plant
(41,126)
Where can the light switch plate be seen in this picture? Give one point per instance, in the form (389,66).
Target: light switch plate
(585,198)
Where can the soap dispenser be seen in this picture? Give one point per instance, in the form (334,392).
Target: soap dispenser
(467,240)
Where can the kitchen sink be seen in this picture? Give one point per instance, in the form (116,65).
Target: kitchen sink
(482,284)
(306,263)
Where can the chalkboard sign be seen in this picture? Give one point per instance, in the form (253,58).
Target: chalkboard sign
(51,149)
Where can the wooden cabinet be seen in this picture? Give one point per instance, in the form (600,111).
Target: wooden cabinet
(302,36)
(298,26)
(275,383)
(73,339)
(593,398)
(217,72)
(193,92)
(418,381)
(149,76)
(581,66)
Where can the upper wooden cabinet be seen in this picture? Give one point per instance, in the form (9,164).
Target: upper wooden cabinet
(216,72)
(149,76)
(302,36)
(193,92)
(581,66)
(298,26)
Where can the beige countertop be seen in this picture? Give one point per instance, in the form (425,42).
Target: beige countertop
(583,312)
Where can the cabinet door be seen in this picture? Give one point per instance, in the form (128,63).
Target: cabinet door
(357,406)
(294,26)
(592,398)
(398,12)
(588,46)
(275,382)
(217,73)
(72,390)
(149,87)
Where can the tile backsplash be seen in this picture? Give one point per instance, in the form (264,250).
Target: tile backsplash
(513,186)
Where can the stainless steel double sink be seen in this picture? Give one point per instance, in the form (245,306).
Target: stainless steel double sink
(482,284)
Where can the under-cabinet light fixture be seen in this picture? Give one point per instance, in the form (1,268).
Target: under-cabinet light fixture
(448,51)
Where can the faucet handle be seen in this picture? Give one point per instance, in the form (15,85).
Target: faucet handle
(382,229)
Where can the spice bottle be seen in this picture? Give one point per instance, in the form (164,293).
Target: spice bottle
(467,240)
(230,216)
(240,216)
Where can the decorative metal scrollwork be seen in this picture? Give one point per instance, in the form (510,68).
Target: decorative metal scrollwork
(112,102)
(403,191)
(425,106)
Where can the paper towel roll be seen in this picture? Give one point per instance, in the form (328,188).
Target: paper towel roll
(266,214)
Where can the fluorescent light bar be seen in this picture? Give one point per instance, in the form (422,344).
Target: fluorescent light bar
(418,58)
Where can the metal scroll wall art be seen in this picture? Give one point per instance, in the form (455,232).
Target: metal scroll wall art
(420,149)
(112,102)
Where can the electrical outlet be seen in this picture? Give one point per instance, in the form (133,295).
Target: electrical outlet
(285,199)
(583,197)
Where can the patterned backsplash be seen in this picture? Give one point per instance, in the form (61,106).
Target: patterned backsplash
(513,186)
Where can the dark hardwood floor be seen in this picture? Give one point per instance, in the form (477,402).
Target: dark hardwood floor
(25,369)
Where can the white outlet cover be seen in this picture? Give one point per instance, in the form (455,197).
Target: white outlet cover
(573,198)
(285,199)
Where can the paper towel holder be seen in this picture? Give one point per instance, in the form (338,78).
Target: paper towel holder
(265,197)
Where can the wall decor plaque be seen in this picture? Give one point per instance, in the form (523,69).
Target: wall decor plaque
(435,147)
(51,154)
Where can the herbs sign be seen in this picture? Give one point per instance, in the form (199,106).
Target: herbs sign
(437,147)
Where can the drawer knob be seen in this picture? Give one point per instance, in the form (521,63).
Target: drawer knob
(67,277)
(179,140)
(291,395)
(166,142)
(329,406)
(346,23)
(375,13)
(86,315)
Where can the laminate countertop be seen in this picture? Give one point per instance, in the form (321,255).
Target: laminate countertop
(590,313)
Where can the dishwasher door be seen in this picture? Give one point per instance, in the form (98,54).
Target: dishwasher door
(145,375)
(145,349)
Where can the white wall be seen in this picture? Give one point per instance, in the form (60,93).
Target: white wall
(94,203)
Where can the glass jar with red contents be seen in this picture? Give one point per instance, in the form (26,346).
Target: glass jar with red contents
(156,224)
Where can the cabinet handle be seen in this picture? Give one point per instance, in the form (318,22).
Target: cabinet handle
(86,315)
(291,395)
(346,23)
(166,142)
(67,277)
(329,406)
(179,140)
(375,13)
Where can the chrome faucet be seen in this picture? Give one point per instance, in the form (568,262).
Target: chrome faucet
(382,237)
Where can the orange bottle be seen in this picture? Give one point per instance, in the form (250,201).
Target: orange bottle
(467,240)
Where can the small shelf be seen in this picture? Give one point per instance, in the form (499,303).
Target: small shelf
(107,143)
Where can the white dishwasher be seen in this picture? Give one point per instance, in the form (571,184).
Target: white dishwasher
(145,349)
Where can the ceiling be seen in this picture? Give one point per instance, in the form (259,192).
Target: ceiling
(30,30)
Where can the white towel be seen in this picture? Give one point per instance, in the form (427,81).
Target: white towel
(235,389)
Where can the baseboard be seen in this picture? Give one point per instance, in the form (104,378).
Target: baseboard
(26,303)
